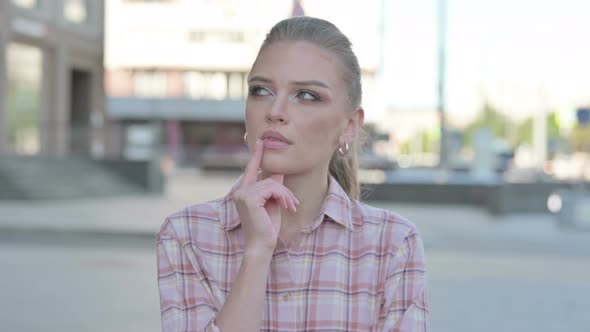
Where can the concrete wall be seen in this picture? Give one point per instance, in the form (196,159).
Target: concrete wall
(498,199)
(429,193)
(145,174)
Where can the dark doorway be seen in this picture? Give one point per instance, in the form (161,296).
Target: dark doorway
(80,104)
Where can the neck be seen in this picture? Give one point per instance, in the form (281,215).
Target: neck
(311,189)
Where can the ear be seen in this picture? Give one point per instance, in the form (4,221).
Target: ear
(353,126)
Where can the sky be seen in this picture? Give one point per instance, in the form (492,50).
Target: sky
(521,55)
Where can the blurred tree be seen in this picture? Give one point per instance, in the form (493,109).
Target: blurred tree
(427,139)
(525,130)
(553,127)
(491,118)
(580,138)
(500,125)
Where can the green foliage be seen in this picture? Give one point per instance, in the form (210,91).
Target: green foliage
(525,132)
(525,129)
(503,127)
(429,139)
(428,142)
(500,125)
(553,129)
(488,118)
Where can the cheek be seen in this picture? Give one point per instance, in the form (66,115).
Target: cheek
(321,134)
(250,117)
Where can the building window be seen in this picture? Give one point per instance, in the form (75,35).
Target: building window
(23,97)
(27,4)
(140,142)
(76,11)
(150,84)
(200,85)
(236,90)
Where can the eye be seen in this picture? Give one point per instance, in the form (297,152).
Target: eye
(259,91)
(308,95)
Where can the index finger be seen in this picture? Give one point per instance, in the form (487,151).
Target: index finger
(278,177)
(251,174)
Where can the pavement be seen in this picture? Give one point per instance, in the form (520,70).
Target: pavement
(449,226)
(137,215)
(520,272)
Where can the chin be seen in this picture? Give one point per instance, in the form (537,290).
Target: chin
(276,166)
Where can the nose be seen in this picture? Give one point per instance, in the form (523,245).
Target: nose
(278,111)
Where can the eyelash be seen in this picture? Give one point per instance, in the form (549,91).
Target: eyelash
(255,90)
(315,96)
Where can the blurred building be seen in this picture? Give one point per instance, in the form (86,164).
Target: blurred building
(51,77)
(176,71)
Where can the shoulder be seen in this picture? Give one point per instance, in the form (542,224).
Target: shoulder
(184,225)
(392,226)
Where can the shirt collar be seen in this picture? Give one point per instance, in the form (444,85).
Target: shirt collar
(337,207)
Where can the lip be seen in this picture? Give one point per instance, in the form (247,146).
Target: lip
(274,135)
(274,140)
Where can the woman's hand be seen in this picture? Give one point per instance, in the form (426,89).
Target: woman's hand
(259,205)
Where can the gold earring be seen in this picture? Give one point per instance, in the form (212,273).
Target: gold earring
(246,138)
(344,151)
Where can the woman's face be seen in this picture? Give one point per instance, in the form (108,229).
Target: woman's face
(297,91)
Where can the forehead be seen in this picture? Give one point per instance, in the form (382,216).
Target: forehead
(299,60)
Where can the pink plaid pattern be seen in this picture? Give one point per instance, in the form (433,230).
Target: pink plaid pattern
(358,268)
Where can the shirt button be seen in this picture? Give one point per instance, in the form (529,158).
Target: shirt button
(286,297)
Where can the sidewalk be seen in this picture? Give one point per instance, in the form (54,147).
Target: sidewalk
(442,226)
(138,214)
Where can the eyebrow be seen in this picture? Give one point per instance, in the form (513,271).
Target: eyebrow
(304,83)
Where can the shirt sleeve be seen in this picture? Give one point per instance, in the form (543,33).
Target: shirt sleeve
(186,298)
(406,305)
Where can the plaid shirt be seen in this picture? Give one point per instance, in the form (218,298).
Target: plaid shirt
(358,268)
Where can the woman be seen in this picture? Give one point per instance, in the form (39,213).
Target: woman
(290,248)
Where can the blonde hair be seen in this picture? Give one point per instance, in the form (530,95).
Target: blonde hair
(326,35)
